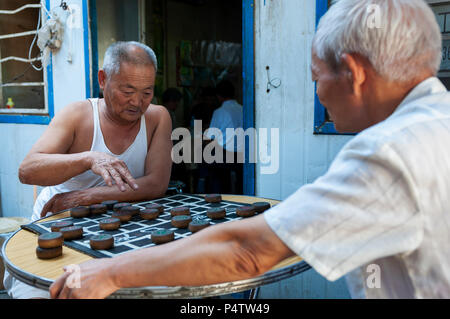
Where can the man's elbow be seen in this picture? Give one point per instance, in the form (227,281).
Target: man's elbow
(160,192)
(24,174)
(156,191)
(162,189)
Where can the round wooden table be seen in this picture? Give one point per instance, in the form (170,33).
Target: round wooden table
(21,261)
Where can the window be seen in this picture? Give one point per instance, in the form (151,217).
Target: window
(442,11)
(23,80)
(322,122)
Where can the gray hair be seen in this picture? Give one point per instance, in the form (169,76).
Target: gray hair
(121,51)
(400,38)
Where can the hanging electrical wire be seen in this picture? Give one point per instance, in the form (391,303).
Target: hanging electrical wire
(30,59)
(34,40)
(48,37)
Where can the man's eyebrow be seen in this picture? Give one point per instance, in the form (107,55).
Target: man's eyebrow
(129,86)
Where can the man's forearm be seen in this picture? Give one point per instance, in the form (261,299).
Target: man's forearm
(148,188)
(52,169)
(221,253)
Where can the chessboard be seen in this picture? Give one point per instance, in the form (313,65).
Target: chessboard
(136,233)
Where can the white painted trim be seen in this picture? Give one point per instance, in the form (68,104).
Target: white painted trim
(15,58)
(20,9)
(24,111)
(23,84)
(437,2)
(16,35)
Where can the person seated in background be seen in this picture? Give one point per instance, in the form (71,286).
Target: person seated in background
(207,104)
(115,148)
(171,100)
(226,177)
(202,111)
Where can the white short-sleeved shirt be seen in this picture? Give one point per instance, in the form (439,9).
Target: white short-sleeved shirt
(229,116)
(381,213)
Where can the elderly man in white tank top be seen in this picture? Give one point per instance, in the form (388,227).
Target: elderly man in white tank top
(117,147)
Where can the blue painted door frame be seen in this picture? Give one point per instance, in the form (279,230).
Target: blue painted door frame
(321,125)
(248,75)
(94,46)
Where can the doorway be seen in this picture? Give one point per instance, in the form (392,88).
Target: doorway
(198,43)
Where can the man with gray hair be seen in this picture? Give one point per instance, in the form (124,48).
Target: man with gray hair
(379,215)
(114,148)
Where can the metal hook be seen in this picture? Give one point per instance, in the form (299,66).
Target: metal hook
(63,5)
(275,82)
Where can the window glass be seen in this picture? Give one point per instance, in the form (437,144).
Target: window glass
(21,75)
(442,12)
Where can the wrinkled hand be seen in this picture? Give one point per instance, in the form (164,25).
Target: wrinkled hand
(62,201)
(90,280)
(112,170)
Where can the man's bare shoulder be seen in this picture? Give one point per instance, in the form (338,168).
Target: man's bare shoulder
(157,113)
(156,110)
(75,111)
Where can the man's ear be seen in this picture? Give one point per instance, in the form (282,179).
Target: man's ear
(355,70)
(101,79)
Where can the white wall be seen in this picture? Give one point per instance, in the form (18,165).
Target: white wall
(16,140)
(16,199)
(283,37)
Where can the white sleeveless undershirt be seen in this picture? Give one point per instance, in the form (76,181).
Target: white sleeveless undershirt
(134,157)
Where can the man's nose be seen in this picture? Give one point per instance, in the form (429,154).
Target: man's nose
(135,100)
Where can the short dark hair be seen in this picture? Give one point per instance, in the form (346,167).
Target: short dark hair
(171,94)
(225,89)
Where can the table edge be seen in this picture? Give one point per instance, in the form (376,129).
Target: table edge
(167,291)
